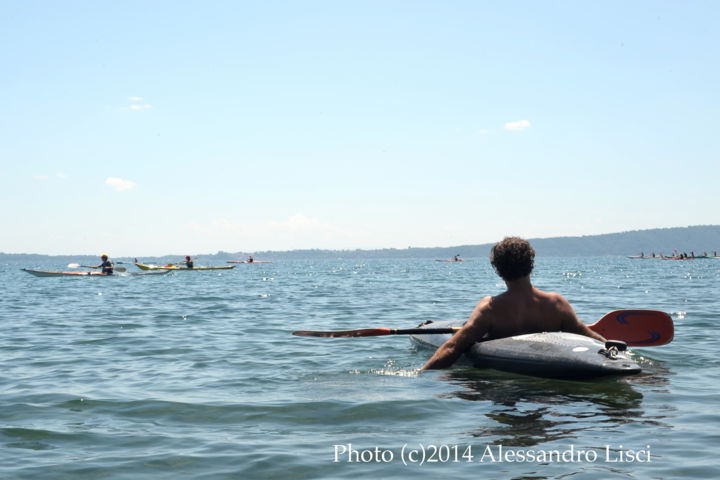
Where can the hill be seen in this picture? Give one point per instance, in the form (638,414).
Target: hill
(698,239)
(705,238)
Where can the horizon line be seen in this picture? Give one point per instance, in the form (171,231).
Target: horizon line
(330,250)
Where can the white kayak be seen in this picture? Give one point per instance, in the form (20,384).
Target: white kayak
(547,354)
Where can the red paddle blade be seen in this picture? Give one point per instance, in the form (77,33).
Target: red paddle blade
(637,328)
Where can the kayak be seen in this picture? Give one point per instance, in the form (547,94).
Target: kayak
(142,266)
(47,273)
(546,354)
(245,261)
(453,261)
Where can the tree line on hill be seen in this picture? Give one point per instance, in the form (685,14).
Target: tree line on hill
(697,239)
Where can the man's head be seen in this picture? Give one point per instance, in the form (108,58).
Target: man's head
(512,258)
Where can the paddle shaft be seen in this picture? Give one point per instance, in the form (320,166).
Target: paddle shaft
(644,328)
(372,332)
(77,265)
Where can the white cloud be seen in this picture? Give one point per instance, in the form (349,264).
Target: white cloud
(137,105)
(40,177)
(118,184)
(517,126)
(61,175)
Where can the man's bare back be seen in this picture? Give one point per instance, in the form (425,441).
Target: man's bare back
(521,309)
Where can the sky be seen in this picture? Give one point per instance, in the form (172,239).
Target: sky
(173,127)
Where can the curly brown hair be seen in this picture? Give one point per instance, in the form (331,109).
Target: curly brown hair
(512,258)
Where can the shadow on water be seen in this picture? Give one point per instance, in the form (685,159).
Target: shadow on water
(527,411)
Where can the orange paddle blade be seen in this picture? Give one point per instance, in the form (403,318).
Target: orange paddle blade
(637,328)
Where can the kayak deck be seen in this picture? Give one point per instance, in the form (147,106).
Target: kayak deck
(546,354)
(48,273)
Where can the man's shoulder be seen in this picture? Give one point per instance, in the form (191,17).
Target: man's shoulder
(490,308)
(551,296)
(485,303)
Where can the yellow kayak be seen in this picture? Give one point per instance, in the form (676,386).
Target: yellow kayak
(142,266)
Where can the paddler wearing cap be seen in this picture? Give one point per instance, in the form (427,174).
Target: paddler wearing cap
(106,265)
(188,262)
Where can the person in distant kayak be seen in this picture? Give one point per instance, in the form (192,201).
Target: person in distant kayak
(106,265)
(456,258)
(250,259)
(521,309)
(188,262)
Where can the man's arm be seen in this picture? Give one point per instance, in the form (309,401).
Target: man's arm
(450,351)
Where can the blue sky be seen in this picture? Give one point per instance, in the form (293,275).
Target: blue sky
(149,128)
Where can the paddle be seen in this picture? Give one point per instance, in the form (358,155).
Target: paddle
(372,332)
(638,328)
(77,265)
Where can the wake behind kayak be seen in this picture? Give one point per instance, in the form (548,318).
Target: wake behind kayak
(547,354)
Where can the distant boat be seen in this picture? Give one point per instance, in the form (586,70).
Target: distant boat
(247,261)
(645,257)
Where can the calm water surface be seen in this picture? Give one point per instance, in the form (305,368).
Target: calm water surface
(196,375)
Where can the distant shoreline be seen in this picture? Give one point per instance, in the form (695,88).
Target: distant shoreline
(697,239)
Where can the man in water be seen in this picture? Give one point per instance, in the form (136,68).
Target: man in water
(521,309)
(106,265)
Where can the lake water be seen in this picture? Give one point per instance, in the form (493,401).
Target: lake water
(195,375)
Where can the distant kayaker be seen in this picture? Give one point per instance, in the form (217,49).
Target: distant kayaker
(250,259)
(188,262)
(521,309)
(456,258)
(106,265)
